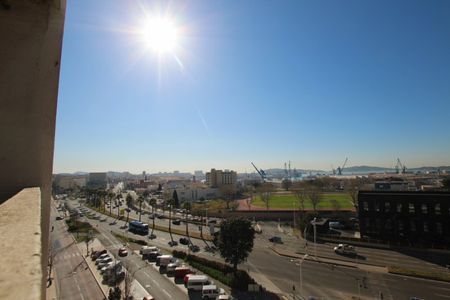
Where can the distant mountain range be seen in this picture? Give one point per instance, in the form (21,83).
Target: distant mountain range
(278,171)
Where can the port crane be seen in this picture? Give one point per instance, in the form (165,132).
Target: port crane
(400,167)
(260,172)
(340,169)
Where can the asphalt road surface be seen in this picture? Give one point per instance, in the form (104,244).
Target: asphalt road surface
(72,277)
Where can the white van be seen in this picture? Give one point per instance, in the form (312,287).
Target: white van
(211,292)
(163,260)
(147,249)
(196,282)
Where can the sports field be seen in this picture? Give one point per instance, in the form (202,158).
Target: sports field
(289,201)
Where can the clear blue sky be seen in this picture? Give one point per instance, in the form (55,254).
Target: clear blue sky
(262,81)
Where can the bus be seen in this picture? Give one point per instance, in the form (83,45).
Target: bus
(138,227)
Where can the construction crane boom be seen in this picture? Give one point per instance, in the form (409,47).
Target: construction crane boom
(260,172)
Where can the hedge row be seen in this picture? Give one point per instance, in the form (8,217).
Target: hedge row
(217,270)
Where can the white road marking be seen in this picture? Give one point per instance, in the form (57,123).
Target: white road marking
(440,295)
(168,295)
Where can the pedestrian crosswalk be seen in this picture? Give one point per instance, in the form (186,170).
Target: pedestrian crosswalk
(65,256)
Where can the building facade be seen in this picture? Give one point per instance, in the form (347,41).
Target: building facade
(97,180)
(217,178)
(410,217)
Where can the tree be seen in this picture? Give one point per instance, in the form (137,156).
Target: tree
(115,293)
(228,191)
(140,199)
(265,192)
(170,218)
(176,202)
(235,240)
(110,197)
(446,183)
(129,201)
(352,189)
(314,195)
(187,208)
(298,190)
(159,187)
(286,184)
(153,205)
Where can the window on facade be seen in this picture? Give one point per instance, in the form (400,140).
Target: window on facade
(412,225)
(367,223)
(400,226)
(424,209)
(387,206)
(437,208)
(411,208)
(425,227)
(365,206)
(377,206)
(388,225)
(439,228)
(399,207)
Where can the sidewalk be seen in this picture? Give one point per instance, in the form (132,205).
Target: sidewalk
(96,245)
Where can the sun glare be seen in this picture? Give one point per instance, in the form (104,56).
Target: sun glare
(160,35)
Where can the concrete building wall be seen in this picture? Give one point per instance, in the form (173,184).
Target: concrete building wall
(31,35)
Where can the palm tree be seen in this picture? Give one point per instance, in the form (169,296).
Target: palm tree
(153,205)
(110,196)
(140,199)
(170,218)
(187,208)
(129,200)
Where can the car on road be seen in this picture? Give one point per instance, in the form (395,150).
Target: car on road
(336,225)
(176,222)
(194,248)
(184,241)
(160,216)
(123,252)
(148,297)
(211,292)
(275,239)
(172,243)
(151,216)
(212,222)
(59,218)
(345,249)
(180,272)
(107,267)
(104,262)
(96,254)
(151,256)
(100,257)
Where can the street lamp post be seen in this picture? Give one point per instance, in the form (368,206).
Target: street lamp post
(315,238)
(301,274)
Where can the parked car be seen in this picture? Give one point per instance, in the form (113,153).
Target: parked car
(194,248)
(173,243)
(275,239)
(148,297)
(172,266)
(123,252)
(59,218)
(100,257)
(184,241)
(180,272)
(345,249)
(336,225)
(211,292)
(176,222)
(104,262)
(107,267)
(151,256)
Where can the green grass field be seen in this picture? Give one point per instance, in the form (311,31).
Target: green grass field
(289,201)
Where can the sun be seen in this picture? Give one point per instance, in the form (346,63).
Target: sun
(160,34)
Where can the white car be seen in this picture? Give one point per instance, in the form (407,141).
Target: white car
(345,249)
(104,262)
(107,267)
(101,257)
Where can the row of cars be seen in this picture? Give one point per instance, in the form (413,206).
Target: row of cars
(109,268)
(183,273)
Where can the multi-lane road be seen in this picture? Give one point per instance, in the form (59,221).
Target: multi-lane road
(280,273)
(72,277)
